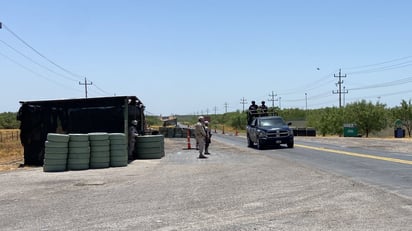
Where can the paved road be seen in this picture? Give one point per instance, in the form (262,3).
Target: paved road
(237,188)
(385,163)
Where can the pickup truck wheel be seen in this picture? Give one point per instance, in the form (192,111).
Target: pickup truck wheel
(249,142)
(290,145)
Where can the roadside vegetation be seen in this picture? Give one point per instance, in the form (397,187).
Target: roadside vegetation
(369,118)
(11,150)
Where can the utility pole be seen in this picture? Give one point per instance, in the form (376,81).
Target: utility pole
(215,109)
(344,89)
(272,99)
(280,106)
(243,101)
(226,105)
(306,99)
(85,85)
(339,91)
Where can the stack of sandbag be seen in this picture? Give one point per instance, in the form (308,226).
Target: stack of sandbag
(99,150)
(150,147)
(118,150)
(79,152)
(55,152)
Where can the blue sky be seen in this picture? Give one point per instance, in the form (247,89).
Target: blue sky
(192,56)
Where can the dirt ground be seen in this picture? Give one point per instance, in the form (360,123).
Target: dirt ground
(11,155)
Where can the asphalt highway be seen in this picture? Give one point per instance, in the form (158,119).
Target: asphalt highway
(386,163)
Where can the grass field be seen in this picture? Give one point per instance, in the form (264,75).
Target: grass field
(11,150)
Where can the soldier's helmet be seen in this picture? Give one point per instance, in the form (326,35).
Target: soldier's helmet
(134,122)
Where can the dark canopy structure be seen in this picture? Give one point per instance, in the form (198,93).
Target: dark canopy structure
(105,114)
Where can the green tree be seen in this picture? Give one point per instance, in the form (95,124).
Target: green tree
(327,121)
(153,121)
(404,113)
(367,116)
(293,114)
(8,120)
(238,120)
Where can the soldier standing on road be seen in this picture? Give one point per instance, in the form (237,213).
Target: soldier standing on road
(208,137)
(132,138)
(200,134)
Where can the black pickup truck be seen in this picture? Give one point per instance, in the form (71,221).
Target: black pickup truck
(269,130)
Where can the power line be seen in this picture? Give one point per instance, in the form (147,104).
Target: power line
(37,63)
(378,64)
(32,71)
(339,83)
(101,90)
(384,68)
(243,101)
(272,98)
(215,109)
(226,105)
(85,85)
(40,54)
(386,84)
(77,76)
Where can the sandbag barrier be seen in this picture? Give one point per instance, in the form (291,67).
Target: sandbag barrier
(79,152)
(176,132)
(96,150)
(99,150)
(118,150)
(150,147)
(56,152)
(304,132)
(83,151)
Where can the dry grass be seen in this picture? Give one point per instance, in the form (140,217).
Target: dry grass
(11,150)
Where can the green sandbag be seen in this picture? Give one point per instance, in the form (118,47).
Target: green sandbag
(54,144)
(55,137)
(98,136)
(54,168)
(78,137)
(56,150)
(79,144)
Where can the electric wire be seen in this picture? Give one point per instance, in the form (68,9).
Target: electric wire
(40,54)
(37,63)
(101,90)
(79,77)
(34,72)
(385,84)
(377,64)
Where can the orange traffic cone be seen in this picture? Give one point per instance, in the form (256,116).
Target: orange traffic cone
(188,139)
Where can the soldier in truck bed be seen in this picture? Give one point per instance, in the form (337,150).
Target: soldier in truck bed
(263,109)
(253,108)
(252,111)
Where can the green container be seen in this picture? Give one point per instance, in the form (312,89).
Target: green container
(350,130)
